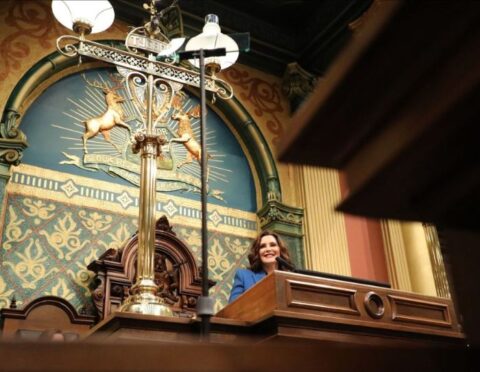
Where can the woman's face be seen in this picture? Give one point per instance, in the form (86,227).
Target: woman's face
(269,250)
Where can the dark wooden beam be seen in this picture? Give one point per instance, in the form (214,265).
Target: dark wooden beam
(398,112)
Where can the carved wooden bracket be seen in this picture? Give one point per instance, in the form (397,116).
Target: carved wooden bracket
(176,273)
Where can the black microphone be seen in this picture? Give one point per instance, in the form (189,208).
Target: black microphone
(284,263)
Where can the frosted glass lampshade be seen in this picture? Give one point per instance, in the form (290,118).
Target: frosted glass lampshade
(212,38)
(89,16)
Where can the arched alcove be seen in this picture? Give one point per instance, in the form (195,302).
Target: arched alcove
(79,206)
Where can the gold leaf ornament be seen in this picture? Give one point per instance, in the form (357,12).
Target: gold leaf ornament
(66,236)
(13,231)
(61,290)
(38,210)
(118,238)
(95,222)
(31,267)
(4,294)
(237,247)
(218,262)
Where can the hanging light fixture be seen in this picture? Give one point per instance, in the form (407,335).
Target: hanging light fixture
(84,17)
(213,38)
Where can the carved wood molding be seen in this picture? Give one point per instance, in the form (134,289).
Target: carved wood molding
(59,302)
(321,297)
(116,269)
(319,303)
(419,311)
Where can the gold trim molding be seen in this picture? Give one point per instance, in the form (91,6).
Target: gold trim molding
(82,191)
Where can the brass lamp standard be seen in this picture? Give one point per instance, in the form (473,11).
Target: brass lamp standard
(85,17)
(155,76)
(143,298)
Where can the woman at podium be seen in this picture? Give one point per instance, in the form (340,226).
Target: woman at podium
(263,260)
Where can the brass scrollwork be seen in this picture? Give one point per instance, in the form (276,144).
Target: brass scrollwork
(68,49)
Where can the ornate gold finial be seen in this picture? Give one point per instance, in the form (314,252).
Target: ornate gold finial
(151,8)
(156,25)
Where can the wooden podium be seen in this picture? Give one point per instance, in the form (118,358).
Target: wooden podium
(299,322)
(288,306)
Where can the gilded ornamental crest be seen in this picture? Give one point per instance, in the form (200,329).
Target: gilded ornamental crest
(110,109)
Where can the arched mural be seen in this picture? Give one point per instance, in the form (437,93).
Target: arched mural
(68,200)
(66,206)
(57,121)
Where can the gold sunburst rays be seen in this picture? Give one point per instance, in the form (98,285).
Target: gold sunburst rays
(215,173)
(215,168)
(130,112)
(99,146)
(78,117)
(187,105)
(117,136)
(100,100)
(104,82)
(92,104)
(100,149)
(210,136)
(87,110)
(218,176)
(96,99)
(216,156)
(67,129)
(97,107)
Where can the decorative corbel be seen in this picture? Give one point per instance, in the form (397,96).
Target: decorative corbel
(12,143)
(286,221)
(297,84)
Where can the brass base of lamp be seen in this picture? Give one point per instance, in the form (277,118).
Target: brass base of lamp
(143,300)
(212,69)
(82,28)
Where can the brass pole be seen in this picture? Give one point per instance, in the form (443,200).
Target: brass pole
(144,298)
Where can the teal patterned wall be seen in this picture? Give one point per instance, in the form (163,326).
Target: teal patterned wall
(3,183)
(48,245)
(64,207)
(55,123)
(295,248)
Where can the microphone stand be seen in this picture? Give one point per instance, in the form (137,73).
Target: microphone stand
(205,302)
(285,264)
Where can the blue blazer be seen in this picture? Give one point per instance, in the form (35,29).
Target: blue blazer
(244,280)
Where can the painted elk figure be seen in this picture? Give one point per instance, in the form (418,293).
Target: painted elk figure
(114,115)
(185,132)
